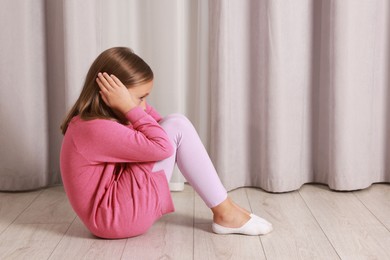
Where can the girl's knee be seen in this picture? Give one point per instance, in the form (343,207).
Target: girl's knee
(176,116)
(176,120)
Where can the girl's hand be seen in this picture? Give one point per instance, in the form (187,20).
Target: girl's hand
(115,94)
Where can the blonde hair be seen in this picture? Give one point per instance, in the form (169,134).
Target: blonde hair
(125,65)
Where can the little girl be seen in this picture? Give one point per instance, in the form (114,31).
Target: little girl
(118,155)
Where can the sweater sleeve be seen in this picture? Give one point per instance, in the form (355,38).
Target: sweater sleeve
(151,111)
(108,141)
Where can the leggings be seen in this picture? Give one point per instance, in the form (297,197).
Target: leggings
(192,160)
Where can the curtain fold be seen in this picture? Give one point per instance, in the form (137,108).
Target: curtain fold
(282,92)
(300,93)
(23,143)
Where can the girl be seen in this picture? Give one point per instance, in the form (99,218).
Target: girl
(118,155)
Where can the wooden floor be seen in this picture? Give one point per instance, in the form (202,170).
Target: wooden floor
(312,223)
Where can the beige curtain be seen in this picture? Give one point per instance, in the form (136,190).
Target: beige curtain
(300,93)
(281,92)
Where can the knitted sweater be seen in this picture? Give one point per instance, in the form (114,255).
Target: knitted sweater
(124,202)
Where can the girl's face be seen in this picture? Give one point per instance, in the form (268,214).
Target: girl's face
(141,91)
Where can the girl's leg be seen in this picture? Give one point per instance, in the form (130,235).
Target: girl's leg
(196,166)
(192,159)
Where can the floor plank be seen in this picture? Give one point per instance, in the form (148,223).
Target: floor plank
(353,231)
(312,223)
(377,199)
(30,241)
(51,206)
(171,237)
(79,243)
(212,246)
(37,230)
(12,204)
(208,245)
(296,233)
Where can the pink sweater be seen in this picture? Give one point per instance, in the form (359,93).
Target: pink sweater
(124,204)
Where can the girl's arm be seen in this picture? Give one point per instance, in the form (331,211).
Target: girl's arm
(108,141)
(151,111)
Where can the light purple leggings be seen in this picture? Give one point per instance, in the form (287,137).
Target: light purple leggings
(192,160)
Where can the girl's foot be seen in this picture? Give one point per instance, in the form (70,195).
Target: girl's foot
(253,227)
(230,218)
